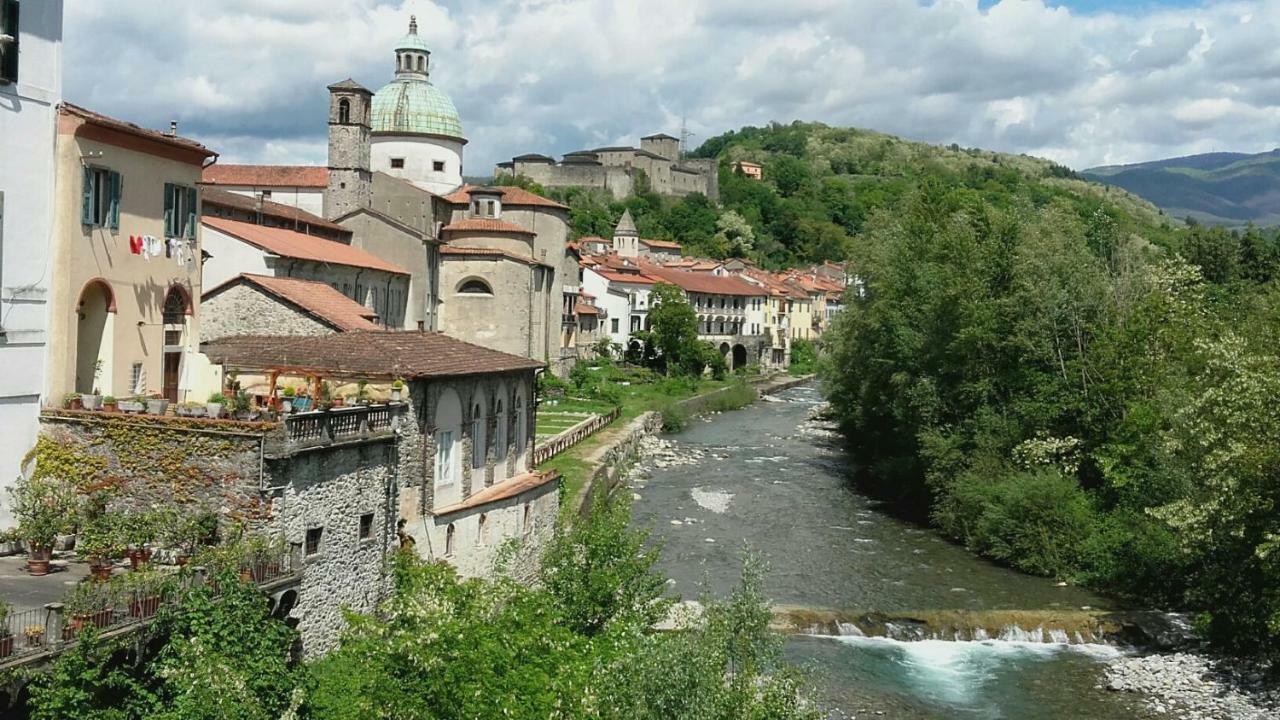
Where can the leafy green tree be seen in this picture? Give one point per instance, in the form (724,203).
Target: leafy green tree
(734,236)
(675,329)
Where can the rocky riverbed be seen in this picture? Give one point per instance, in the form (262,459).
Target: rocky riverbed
(1191,686)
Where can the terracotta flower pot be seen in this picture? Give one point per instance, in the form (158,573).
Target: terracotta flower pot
(139,557)
(38,560)
(6,646)
(75,403)
(111,407)
(145,607)
(101,570)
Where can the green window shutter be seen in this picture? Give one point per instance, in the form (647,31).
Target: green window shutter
(116,183)
(86,203)
(191,212)
(168,210)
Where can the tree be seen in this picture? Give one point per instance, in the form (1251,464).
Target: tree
(734,236)
(675,329)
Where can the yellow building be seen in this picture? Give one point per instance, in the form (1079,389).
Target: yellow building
(126,262)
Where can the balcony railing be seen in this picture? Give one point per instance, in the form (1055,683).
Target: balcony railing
(342,424)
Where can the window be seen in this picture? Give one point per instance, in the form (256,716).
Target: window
(179,211)
(136,384)
(522,427)
(614,325)
(448,539)
(366,526)
(444,457)
(527,524)
(313,540)
(9,43)
(437,165)
(475,286)
(101,200)
(500,434)
(482,531)
(477,438)
(397,163)
(344,111)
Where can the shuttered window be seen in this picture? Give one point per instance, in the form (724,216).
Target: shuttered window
(8,41)
(179,211)
(100,206)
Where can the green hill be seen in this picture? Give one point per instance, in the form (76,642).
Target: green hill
(1232,189)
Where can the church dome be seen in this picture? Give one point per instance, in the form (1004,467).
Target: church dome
(414,106)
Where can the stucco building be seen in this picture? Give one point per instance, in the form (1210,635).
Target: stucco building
(30,90)
(126,267)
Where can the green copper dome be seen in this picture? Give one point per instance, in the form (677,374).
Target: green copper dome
(407,105)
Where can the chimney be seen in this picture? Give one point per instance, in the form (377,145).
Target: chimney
(173,128)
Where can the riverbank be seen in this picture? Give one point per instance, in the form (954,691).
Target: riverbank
(1190,686)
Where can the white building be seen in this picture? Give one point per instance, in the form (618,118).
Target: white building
(616,303)
(417,135)
(30,90)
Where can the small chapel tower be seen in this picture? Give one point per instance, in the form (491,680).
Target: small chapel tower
(350,177)
(626,239)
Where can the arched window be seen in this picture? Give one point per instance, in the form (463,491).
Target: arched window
(344,111)
(475,286)
(522,425)
(482,531)
(175,306)
(449,534)
(422,63)
(500,450)
(448,429)
(527,525)
(477,438)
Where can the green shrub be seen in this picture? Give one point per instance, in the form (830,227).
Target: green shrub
(674,417)
(804,357)
(1135,556)
(738,395)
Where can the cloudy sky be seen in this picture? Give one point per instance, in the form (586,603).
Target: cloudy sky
(1084,82)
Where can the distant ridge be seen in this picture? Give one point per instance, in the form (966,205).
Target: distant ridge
(1222,188)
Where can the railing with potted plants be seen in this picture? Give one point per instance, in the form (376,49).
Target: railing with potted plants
(130,600)
(335,419)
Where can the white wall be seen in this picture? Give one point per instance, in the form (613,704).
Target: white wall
(308,199)
(230,257)
(419,153)
(28,117)
(617,306)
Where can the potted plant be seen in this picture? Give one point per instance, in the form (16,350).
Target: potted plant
(72,401)
(6,635)
(100,542)
(34,635)
(157,405)
(397,390)
(88,603)
(186,531)
(242,406)
(286,400)
(216,402)
(324,399)
(41,506)
(109,404)
(140,530)
(264,556)
(362,392)
(191,409)
(146,590)
(93,400)
(134,404)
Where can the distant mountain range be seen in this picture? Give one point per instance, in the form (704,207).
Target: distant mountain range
(1215,188)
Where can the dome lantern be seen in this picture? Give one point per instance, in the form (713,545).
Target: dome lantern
(413,57)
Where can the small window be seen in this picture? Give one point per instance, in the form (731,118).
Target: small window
(179,211)
(527,525)
(366,526)
(482,531)
(614,325)
(9,46)
(135,379)
(477,438)
(266,194)
(449,538)
(437,165)
(475,286)
(313,540)
(444,457)
(101,197)
(344,111)
(397,163)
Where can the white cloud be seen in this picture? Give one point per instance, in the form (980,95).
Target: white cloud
(248,76)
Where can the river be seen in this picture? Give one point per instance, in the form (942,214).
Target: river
(770,480)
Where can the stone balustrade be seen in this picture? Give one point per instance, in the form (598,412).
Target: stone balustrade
(555,445)
(357,423)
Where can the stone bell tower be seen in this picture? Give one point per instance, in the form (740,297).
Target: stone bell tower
(350,177)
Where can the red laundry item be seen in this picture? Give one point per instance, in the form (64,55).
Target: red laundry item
(135,244)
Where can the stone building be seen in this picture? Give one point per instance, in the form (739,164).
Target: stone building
(236,247)
(728,310)
(617,169)
(30,90)
(265,305)
(127,259)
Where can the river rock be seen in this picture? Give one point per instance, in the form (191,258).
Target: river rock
(1190,685)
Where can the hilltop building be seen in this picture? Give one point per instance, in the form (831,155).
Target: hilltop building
(616,169)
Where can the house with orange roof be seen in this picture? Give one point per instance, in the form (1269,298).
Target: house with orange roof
(251,304)
(730,312)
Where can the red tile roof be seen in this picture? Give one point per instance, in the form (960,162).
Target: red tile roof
(364,354)
(585,309)
(315,298)
(290,244)
(508,488)
(511,195)
(485,225)
(300,176)
(701,282)
(224,198)
(461,251)
(664,244)
(633,278)
(94,118)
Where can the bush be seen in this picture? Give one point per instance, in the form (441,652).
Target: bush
(1135,556)
(738,395)
(674,417)
(550,386)
(1036,521)
(804,358)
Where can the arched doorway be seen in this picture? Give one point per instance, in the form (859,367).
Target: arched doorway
(739,356)
(94,332)
(177,306)
(726,352)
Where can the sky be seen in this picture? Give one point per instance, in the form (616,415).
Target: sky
(1082,82)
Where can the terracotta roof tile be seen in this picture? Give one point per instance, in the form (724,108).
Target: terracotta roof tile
(701,282)
(485,225)
(633,278)
(290,244)
(585,309)
(667,244)
(307,176)
(363,353)
(511,195)
(508,488)
(224,198)
(94,118)
(315,298)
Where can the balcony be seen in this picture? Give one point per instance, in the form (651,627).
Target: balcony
(342,425)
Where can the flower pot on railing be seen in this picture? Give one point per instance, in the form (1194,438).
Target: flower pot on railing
(145,607)
(110,404)
(101,569)
(91,402)
(213,410)
(131,406)
(157,406)
(100,619)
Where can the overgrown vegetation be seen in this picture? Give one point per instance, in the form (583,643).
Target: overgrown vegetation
(804,358)
(1070,387)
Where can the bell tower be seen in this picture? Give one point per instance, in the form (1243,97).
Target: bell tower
(350,177)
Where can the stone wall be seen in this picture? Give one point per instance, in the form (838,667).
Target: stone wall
(245,309)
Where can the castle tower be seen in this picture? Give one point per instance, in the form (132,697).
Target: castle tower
(350,177)
(626,239)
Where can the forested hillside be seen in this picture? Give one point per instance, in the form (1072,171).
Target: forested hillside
(820,187)
(1232,189)
(1073,387)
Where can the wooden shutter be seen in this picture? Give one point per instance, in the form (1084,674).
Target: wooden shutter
(169,210)
(9,26)
(191,212)
(86,206)
(116,182)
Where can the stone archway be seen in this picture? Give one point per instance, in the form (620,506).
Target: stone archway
(739,356)
(96,313)
(726,352)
